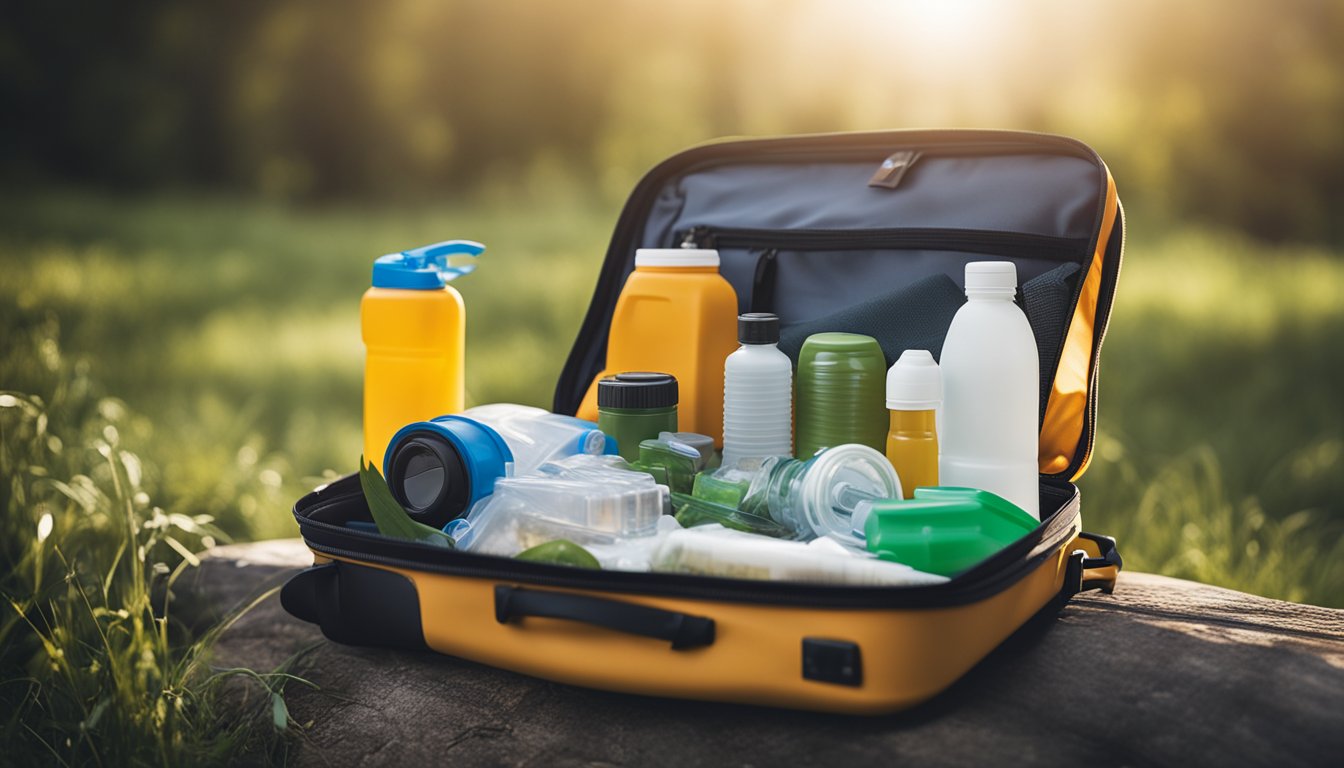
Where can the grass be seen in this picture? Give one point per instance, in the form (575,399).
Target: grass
(92,670)
(234,327)
(229,331)
(1221,448)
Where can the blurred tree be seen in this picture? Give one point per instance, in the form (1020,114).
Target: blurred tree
(1246,111)
(1229,113)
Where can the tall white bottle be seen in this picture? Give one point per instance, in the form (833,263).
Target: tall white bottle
(757,393)
(991,385)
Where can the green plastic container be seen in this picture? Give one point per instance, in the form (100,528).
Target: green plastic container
(841,393)
(634,407)
(944,530)
(671,462)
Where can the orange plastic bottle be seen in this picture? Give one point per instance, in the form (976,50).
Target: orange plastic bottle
(914,393)
(676,314)
(414,329)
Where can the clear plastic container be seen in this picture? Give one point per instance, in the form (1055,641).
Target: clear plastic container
(712,550)
(438,469)
(535,435)
(583,499)
(811,499)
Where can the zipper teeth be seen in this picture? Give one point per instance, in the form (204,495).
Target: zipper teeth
(909,238)
(1102,324)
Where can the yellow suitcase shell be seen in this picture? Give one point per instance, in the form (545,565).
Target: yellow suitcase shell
(864,650)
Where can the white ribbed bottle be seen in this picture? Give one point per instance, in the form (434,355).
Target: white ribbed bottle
(757,393)
(991,386)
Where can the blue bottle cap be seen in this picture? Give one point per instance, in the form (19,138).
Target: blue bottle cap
(591,441)
(438,469)
(427,268)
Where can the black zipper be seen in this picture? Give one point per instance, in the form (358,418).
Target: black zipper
(990,577)
(1022,245)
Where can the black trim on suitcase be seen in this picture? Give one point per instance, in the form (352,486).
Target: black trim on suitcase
(322,515)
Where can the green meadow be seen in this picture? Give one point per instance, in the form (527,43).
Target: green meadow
(176,371)
(230,330)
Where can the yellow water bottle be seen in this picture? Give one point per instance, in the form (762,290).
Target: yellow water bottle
(914,394)
(414,329)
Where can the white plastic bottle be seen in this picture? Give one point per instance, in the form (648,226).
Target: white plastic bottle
(757,393)
(991,382)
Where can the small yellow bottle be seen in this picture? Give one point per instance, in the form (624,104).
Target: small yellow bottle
(914,394)
(414,329)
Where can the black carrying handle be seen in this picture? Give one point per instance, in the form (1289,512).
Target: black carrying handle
(683,630)
(1081,562)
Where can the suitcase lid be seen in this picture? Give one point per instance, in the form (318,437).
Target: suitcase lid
(808,226)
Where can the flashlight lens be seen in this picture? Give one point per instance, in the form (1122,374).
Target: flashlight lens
(424,478)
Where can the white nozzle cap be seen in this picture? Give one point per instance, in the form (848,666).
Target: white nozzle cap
(677,257)
(915,382)
(991,277)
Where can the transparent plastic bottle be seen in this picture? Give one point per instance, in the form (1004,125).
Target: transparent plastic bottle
(991,385)
(536,436)
(792,498)
(757,393)
(438,469)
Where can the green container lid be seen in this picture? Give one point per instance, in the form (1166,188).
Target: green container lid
(944,530)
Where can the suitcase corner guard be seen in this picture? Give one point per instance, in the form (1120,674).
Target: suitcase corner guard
(357,605)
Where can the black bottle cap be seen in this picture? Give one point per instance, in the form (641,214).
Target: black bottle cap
(758,328)
(637,390)
(426,476)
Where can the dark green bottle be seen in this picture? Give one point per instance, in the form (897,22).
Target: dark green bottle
(633,407)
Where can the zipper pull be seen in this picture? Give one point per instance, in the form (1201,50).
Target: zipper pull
(889,174)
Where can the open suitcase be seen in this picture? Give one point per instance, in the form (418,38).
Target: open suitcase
(805,226)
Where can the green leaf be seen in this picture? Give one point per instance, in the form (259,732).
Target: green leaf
(560,552)
(389,516)
(279,712)
(91,721)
